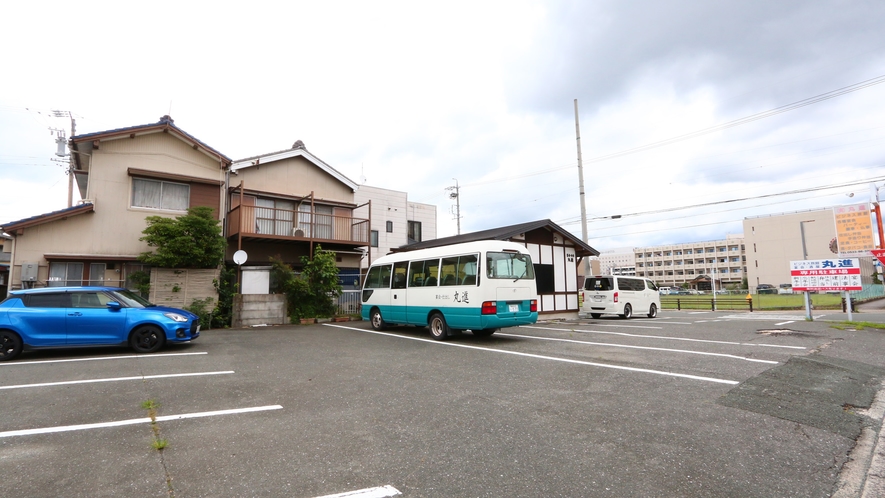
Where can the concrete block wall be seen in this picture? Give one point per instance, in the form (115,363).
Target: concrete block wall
(259,309)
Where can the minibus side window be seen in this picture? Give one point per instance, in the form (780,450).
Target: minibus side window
(399,274)
(378,277)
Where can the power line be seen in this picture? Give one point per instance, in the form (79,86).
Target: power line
(741,199)
(747,119)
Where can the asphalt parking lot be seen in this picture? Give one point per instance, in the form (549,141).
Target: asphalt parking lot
(688,404)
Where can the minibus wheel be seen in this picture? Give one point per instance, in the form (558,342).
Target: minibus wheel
(628,311)
(438,328)
(376,319)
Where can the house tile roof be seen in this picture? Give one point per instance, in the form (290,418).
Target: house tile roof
(298,149)
(165,122)
(502,233)
(39,219)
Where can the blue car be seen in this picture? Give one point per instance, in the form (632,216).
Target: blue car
(58,317)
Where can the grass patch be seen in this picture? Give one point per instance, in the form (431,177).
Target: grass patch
(857,325)
(761,302)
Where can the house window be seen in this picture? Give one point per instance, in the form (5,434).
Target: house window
(414,231)
(274,217)
(155,194)
(373,238)
(65,274)
(389,227)
(96,273)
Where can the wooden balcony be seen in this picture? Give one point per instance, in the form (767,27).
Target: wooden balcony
(283,224)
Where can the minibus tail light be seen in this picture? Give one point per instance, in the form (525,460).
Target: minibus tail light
(616,296)
(489,307)
(534,306)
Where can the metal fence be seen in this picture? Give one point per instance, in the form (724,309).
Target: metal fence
(348,303)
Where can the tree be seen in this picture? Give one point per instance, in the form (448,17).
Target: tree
(190,241)
(308,294)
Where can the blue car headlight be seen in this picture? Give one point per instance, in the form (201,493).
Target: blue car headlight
(176,317)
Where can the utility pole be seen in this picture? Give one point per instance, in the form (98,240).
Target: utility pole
(62,142)
(584,236)
(457,196)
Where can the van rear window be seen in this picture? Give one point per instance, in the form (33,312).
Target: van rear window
(598,283)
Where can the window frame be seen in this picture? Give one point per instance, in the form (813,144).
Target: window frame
(161,207)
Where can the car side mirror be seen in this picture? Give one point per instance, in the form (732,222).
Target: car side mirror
(114,306)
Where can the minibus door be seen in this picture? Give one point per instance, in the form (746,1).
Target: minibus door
(398,293)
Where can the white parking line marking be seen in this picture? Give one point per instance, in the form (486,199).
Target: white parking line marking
(134,421)
(686,351)
(130,356)
(663,337)
(379,492)
(763,316)
(542,357)
(784,323)
(115,379)
(629,326)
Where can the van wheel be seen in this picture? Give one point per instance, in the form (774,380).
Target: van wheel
(653,310)
(595,315)
(438,328)
(628,311)
(376,320)
(10,345)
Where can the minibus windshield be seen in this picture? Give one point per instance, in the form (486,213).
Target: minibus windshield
(510,265)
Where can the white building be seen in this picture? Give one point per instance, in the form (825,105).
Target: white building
(395,220)
(617,262)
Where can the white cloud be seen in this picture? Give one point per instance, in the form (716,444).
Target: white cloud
(414,96)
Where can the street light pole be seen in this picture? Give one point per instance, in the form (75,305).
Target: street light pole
(804,257)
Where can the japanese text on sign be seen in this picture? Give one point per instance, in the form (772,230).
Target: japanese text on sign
(854,228)
(825,275)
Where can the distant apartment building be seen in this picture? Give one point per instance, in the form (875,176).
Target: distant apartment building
(617,262)
(676,264)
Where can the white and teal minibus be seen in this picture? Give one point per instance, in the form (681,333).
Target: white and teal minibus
(478,286)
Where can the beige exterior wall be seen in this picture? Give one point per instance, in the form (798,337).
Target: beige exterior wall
(115,226)
(294,176)
(774,241)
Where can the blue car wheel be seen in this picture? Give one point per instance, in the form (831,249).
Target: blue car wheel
(147,339)
(10,345)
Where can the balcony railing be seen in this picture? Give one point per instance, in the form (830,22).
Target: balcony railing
(286,224)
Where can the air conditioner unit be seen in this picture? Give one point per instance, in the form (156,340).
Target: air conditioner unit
(297,232)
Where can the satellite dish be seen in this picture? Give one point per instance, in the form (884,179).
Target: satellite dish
(240,257)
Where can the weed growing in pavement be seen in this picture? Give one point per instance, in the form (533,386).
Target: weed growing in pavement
(151,406)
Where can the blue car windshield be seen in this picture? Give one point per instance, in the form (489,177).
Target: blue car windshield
(131,299)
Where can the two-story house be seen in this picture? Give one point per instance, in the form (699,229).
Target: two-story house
(123,176)
(284,204)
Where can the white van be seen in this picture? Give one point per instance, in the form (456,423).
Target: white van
(609,294)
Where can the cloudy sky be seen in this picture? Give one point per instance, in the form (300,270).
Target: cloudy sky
(414,96)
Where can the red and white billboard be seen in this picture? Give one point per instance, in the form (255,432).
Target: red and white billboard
(826,275)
